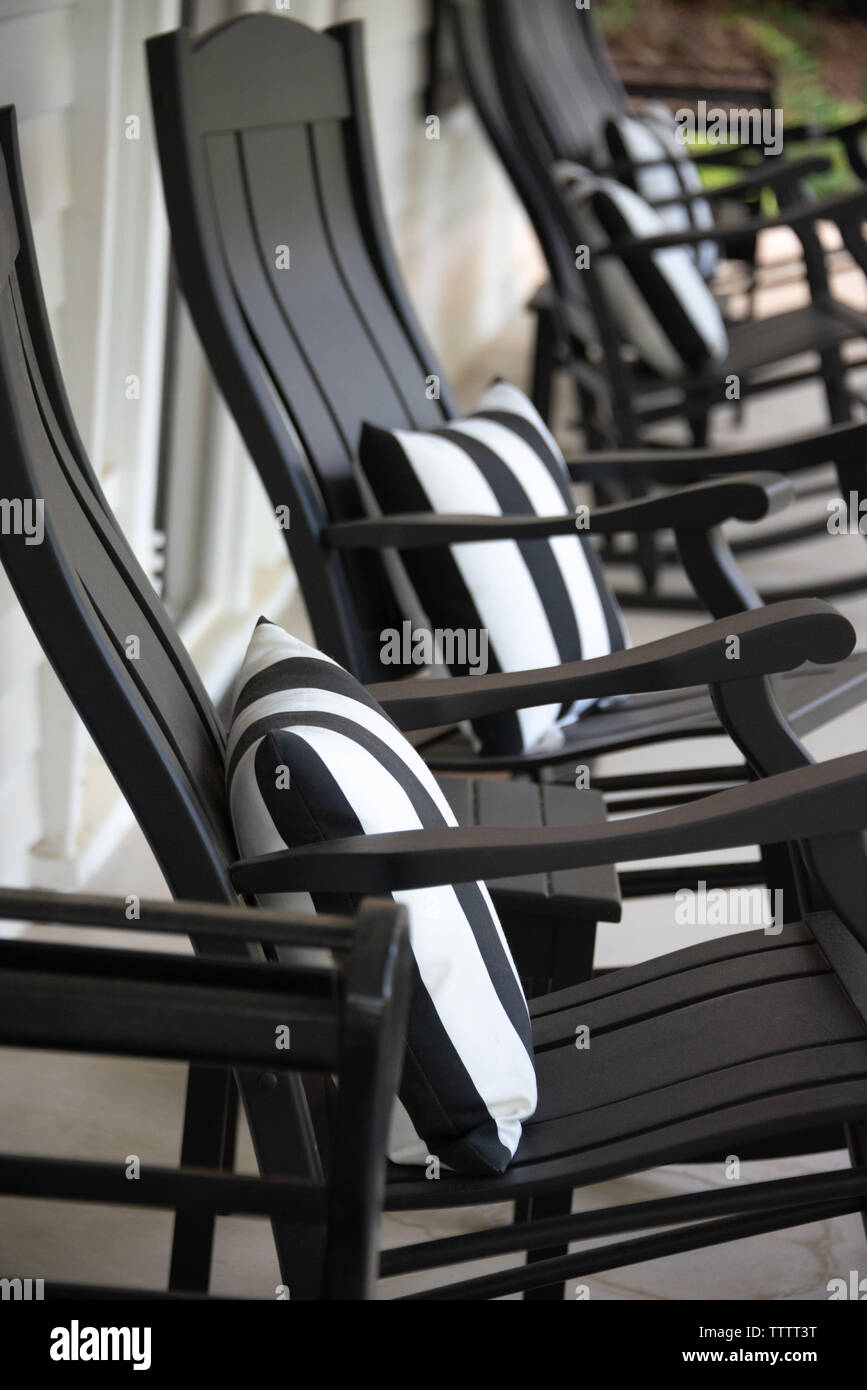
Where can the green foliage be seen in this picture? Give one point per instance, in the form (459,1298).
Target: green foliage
(617,15)
(789,34)
(791,40)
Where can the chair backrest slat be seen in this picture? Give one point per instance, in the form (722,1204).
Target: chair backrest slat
(397,354)
(506,110)
(250,274)
(558,56)
(246,76)
(164,1006)
(316,301)
(280,243)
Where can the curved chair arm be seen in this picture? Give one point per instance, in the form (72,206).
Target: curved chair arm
(847,209)
(815,131)
(751,497)
(840,444)
(777,638)
(696,91)
(180,918)
(775,173)
(814,802)
(764,175)
(700,506)
(738,155)
(849,135)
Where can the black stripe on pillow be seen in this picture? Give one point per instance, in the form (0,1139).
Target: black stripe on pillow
(434,573)
(468,1080)
(295,672)
(557,586)
(652,283)
(620,153)
(537,555)
(528,432)
(469,895)
(299,820)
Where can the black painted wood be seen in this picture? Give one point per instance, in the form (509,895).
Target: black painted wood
(304,355)
(792,806)
(778,638)
(84,594)
(219,1014)
(810,698)
(695,1029)
(543,86)
(549,919)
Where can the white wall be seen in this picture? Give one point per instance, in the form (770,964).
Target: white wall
(37,72)
(462,237)
(75,70)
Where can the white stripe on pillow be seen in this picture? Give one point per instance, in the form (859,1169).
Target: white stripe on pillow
(658,299)
(469,1079)
(546,499)
(650,134)
(506,601)
(542,602)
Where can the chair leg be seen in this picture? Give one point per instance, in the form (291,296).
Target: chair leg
(647,558)
(856,1139)
(574,947)
(780,876)
(698,430)
(283,1127)
(284,1134)
(543,363)
(572,963)
(834,375)
(210,1128)
(594,436)
(536,1209)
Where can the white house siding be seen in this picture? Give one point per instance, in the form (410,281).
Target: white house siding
(462,237)
(75,70)
(36,72)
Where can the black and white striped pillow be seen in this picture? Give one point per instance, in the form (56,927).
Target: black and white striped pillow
(311,756)
(651,135)
(658,299)
(540,602)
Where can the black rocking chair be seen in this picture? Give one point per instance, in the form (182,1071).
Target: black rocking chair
(735,1046)
(563,48)
(518,98)
(303,357)
(517,83)
(347,1020)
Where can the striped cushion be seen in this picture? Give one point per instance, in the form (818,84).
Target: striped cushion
(310,757)
(541,602)
(658,300)
(651,135)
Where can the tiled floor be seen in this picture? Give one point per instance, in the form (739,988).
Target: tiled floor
(111,1109)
